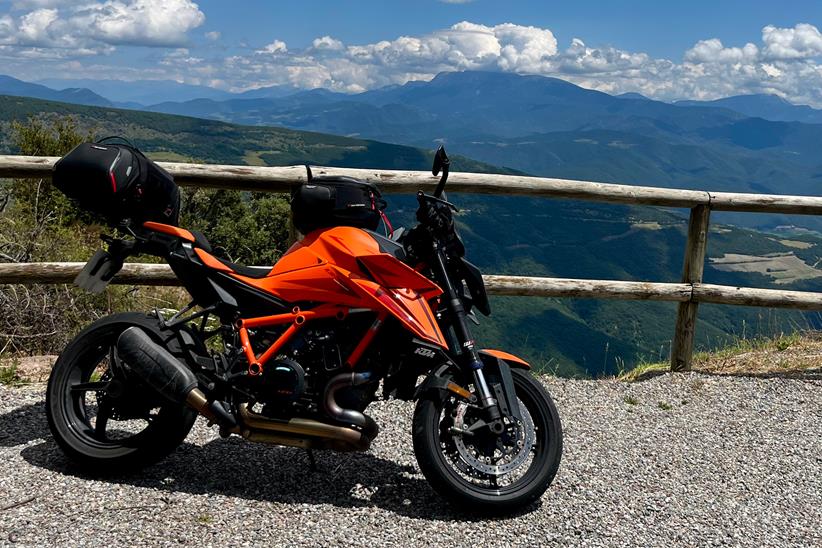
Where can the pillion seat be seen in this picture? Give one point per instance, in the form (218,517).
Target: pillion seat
(205,252)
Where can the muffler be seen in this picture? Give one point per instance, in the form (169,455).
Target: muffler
(171,379)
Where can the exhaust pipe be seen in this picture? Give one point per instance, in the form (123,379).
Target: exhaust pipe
(351,416)
(164,373)
(300,432)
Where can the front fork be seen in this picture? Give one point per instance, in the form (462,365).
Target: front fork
(467,351)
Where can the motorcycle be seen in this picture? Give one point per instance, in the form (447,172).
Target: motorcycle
(294,354)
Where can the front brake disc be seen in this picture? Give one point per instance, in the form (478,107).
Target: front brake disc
(513,451)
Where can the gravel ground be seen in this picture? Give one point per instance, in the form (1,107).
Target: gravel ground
(688,460)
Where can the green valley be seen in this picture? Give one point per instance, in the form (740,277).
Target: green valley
(504,234)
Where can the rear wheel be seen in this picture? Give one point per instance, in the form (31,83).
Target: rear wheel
(100,415)
(481,471)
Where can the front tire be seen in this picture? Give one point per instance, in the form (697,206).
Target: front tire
(463,468)
(102,417)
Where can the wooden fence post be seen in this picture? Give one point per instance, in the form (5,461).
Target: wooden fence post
(683,346)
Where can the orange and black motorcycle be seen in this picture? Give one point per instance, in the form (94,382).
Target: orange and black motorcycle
(293,355)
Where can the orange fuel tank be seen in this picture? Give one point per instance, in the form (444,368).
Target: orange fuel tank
(344,266)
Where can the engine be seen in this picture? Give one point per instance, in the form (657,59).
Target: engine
(295,382)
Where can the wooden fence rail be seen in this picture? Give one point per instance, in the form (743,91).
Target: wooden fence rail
(689,293)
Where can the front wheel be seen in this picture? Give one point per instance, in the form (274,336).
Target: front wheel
(478,470)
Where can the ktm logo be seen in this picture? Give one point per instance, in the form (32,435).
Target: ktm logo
(424,352)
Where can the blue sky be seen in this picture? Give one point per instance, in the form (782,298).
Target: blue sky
(663,49)
(661,28)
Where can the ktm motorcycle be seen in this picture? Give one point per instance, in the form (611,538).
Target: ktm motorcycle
(293,355)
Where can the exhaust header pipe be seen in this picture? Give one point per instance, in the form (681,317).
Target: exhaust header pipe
(351,416)
(158,368)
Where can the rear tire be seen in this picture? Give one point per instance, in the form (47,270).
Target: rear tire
(88,390)
(452,477)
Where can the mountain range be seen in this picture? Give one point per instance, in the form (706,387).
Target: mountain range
(546,126)
(511,235)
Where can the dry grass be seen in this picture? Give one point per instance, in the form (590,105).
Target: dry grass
(26,369)
(797,354)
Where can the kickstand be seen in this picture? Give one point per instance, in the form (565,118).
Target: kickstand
(312,462)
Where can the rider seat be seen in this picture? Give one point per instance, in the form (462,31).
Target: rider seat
(206,253)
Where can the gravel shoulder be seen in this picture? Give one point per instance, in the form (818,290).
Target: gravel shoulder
(684,459)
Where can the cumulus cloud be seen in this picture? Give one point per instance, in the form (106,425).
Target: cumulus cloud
(95,26)
(712,51)
(274,48)
(799,42)
(327,43)
(783,61)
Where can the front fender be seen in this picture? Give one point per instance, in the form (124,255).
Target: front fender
(434,386)
(437,384)
(510,359)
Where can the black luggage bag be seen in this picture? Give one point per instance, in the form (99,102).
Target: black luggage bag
(118,182)
(325,202)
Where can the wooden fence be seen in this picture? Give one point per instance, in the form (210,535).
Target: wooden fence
(689,293)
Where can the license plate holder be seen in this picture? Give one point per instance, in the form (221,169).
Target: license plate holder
(98,272)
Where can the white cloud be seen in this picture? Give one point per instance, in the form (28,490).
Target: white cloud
(784,61)
(799,42)
(276,47)
(99,25)
(328,43)
(712,51)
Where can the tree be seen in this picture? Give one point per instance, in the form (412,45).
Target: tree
(38,223)
(34,212)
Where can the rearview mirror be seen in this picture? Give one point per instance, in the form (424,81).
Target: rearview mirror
(440,160)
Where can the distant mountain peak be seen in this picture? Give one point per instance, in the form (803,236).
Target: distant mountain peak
(633,95)
(84,96)
(764,105)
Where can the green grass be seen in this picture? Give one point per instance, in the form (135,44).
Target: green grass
(780,342)
(9,375)
(205,519)
(644,370)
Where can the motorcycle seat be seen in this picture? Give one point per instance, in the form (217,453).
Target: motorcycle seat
(206,252)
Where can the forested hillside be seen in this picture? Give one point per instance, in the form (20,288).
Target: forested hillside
(511,235)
